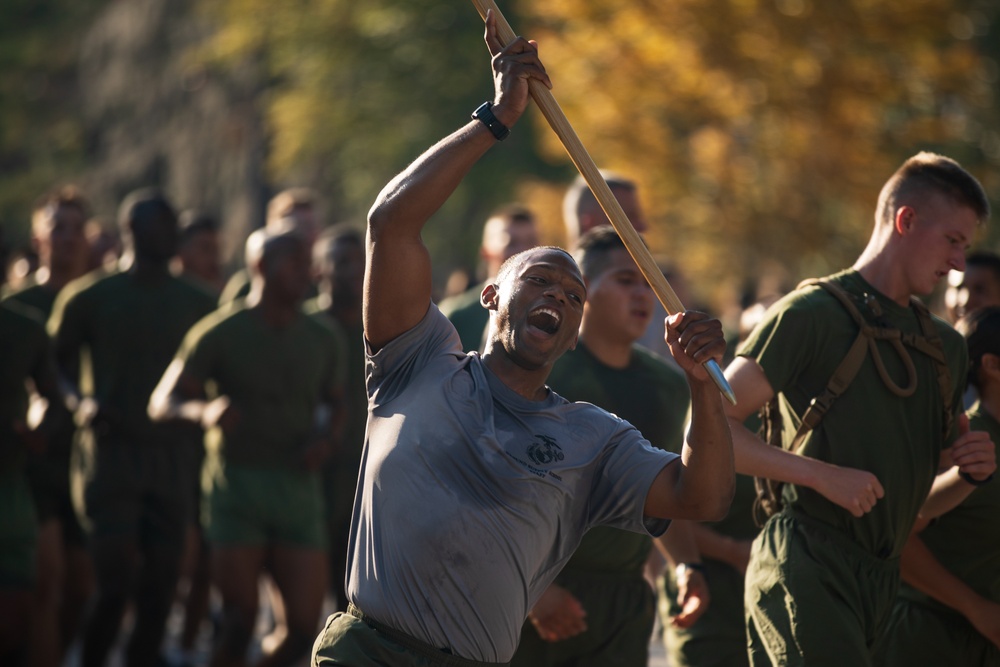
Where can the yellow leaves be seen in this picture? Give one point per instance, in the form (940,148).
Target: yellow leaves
(765,121)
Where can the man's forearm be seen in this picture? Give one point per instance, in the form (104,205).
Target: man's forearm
(415,194)
(709,479)
(948,492)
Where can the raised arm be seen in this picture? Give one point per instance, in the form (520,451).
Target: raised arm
(398,274)
(857,491)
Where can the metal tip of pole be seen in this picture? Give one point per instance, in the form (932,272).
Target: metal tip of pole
(715,372)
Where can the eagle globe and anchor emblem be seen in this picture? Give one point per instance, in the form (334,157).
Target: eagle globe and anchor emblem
(544,451)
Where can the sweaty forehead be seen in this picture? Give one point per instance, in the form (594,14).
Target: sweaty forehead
(554,259)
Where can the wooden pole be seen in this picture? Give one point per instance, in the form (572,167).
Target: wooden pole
(585,164)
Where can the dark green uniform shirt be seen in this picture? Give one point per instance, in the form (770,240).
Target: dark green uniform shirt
(799,345)
(126,333)
(468,315)
(24,353)
(275,379)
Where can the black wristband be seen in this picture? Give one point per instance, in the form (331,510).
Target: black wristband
(485,114)
(973,481)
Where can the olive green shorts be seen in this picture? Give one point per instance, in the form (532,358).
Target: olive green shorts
(18,532)
(355,640)
(814,597)
(921,635)
(621,610)
(252,507)
(128,489)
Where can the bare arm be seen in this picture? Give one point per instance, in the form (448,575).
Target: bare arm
(972,453)
(857,491)
(717,546)
(922,570)
(181,396)
(398,274)
(702,485)
(680,551)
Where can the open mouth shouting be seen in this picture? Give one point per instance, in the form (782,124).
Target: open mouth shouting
(545,319)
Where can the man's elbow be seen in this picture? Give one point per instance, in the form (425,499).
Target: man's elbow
(711,504)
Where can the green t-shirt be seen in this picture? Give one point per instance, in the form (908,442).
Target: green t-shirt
(275,378)
(125,333)
(966,540)
(42,299)
(36,296)
(650,394)
(799,345)
(355,394)
(239,284)
(25,352)
(468,315)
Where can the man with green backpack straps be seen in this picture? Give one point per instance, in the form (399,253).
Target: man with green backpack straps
(862,431)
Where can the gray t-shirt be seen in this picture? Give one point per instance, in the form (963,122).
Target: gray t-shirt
(472,498)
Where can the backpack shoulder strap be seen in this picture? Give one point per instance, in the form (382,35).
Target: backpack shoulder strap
(932,345)
(846,371)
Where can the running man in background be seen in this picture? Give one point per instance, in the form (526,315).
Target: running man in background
(65,575)
(948,610)
(137,475)
(265,380)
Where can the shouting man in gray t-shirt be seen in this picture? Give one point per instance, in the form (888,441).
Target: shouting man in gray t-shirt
(477,481)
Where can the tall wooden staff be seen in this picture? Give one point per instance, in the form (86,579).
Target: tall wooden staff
(585,164)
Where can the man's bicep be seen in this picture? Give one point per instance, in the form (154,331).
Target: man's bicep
(397,288)
(750,384)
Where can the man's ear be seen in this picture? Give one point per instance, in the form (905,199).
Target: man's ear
(991,364)
(490,297)
(904,220)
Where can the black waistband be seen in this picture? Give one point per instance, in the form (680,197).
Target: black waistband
(439,656)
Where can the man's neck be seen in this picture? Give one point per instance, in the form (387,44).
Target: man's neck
(613,353)
(342,310)
(149,271)
(59,277)
(529,383)
(989,401)
(881,271)
(276,312)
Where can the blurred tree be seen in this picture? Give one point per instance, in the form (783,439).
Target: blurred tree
(764,128)
(361,88)
(41,140)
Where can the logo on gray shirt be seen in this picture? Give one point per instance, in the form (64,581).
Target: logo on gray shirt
(544,450)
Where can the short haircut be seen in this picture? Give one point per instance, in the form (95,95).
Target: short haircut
(67,195)
(984,259)
(285,202)
(194,222)
(143,205)
(512,263)
(269,241)
(593,249)
(515,213)
(342,232)
(981,329)
(579,197)
(931,172)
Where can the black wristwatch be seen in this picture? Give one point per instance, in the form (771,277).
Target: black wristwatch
(485,114)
